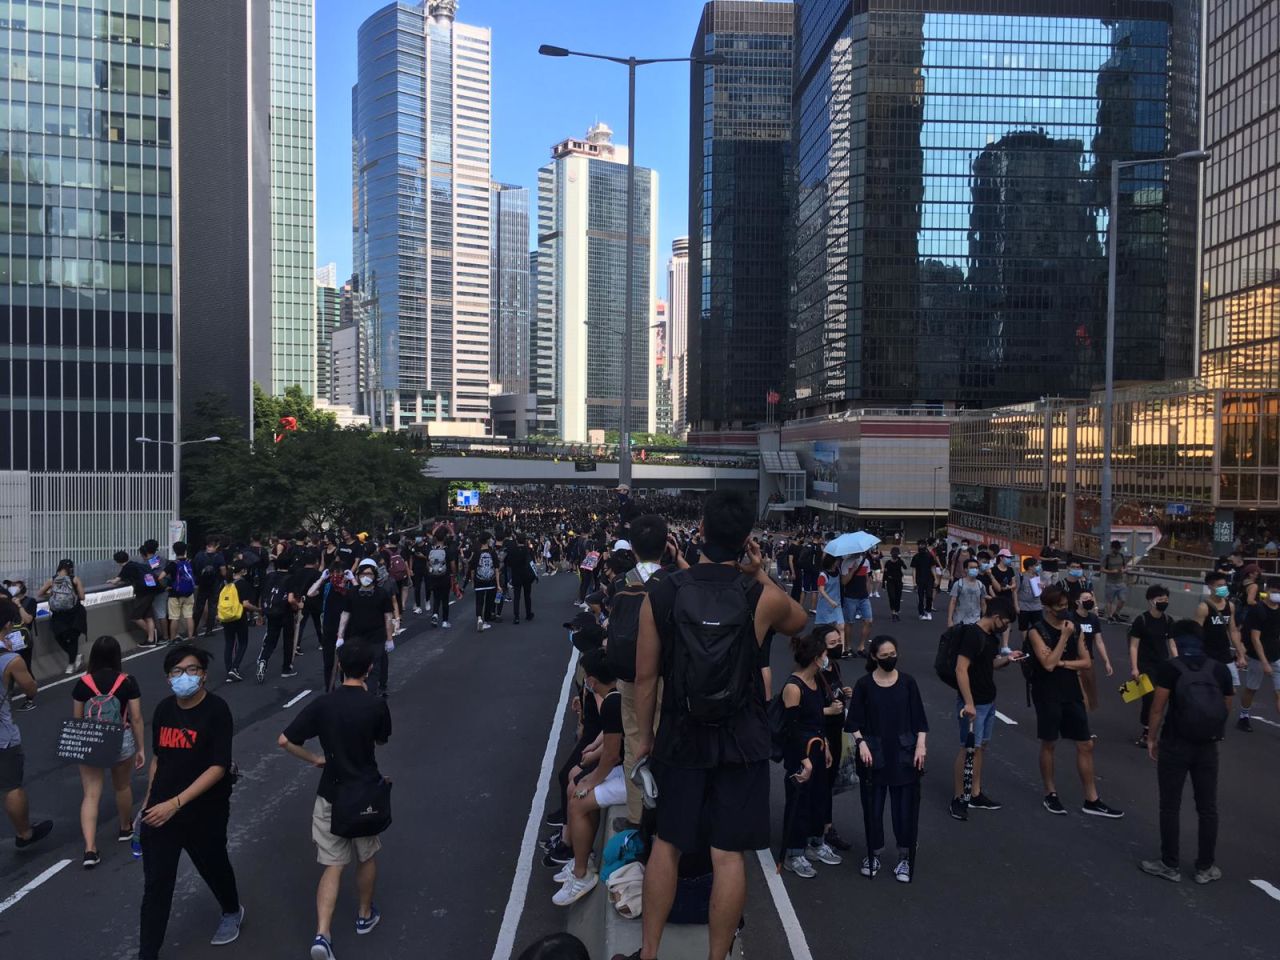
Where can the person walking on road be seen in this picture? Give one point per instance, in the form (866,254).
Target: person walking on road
(518,573)
(1189,711)
(15,675)
(210,568)
(67,617)
(442,568)
(894,570)
(188,800)
(1150,644)
(484,571)
(1263,652)
(277,606)
(237,603)
(890,730)
(367,620)
(350,723)
(107,693)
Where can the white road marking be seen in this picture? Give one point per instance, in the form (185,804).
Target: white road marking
(524,866)
(76,676)
(23,891)
(1009,720)
(295,699)
(782,903)
(1269,889)
(1270,723)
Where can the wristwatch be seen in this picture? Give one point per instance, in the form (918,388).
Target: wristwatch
(859,741)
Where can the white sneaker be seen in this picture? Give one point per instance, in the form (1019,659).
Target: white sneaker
(79,661)
(479,624)
(823,854)
(71,668)
(566,872)
(486,626)
(800,866)
(574,889)
(445,625)
(399,630)
(417,611)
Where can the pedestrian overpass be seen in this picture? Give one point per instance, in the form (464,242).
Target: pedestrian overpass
(518,462)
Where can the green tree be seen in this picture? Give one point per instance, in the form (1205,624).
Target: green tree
(652,440)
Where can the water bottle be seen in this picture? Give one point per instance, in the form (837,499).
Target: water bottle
(135,842)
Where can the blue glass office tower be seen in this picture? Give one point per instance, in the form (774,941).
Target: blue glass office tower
(951,188)
(739,208)
(87,333)
(420,141)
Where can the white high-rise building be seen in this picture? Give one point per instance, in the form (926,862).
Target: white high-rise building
(581,279)
(678,324)
(421,208)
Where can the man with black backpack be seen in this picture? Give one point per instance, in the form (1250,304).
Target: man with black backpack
(1057,660)
(210,569)
(1193,698)
(279,613)
(703,629)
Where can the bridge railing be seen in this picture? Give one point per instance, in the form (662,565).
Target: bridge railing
(604,453)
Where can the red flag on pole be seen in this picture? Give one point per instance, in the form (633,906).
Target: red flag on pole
(289,423)
(774,396)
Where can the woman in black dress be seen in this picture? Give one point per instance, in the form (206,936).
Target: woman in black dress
(836,695)
(889,727)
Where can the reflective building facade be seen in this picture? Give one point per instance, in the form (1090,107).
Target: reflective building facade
(739,210)
(421,149)
(1240,337)
(510,328)
(87,304)
(951,187)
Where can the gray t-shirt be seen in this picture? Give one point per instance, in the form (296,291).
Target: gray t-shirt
(1113,566)
(10,735)
(968,594)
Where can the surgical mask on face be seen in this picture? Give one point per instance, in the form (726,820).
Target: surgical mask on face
(1075,573)
(1037,569)
(366,581)
(1222,591)
(1164,604)
(985,566)
(185,685)
(887,664)
(971,571)
(14,591)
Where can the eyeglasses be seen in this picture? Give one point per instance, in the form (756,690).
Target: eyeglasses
(192,671)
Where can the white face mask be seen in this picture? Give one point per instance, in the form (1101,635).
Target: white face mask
(366,581)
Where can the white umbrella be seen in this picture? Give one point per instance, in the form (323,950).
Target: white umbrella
(848,544)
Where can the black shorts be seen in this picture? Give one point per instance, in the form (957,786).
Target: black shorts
(1028,617)
(726,807)
(11,768)
(1056,719)
(140,607)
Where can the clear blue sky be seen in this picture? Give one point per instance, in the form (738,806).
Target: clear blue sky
(537,101)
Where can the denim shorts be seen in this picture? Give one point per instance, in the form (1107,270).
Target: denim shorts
(983,726)
(855,609)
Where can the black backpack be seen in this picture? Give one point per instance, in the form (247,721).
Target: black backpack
(1199,709)
(275,594)
(713,665)
(944,662)
(624,630)
(807,558)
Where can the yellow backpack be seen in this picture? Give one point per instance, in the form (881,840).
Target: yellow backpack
(230,608)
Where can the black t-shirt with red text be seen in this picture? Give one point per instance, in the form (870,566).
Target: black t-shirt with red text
(185,744)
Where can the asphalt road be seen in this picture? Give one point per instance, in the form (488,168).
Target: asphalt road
(472,716)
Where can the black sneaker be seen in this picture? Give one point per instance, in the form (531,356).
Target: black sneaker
(124,835)
(233,676)
(557,819)
(1054,805)
(983,802)
(1244,726)
(958,809)
(516,620)
(91,859)
(562,854)
(835,841)
(1096,808)
(288,672)
(38,832)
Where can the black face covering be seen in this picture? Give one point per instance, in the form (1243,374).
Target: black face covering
(1088,605)
(1162,605)
(887,664)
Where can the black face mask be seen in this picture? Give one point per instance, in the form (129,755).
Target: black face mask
(887,664)
(1088,605)
(1162,605)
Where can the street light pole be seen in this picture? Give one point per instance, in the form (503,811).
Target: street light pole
(1108,395)
(177,453)
(711,60)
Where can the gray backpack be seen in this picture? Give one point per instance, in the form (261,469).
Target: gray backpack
(64,596)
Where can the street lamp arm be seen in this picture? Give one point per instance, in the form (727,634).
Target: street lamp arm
(548,50)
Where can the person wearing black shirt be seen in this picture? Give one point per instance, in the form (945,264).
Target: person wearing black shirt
(1150,644)
(350,723)
(976,699)
(188,800)
(236,632)
(210,568)
(923,564)
(1089,628)
(306,606)
(1177,755)
(806,760)
(889,727)
(366,619)
(712,775)
(1217,618)
(519,576)
(1263,651)
(418,569)
(836,698)
(1060,657)
(601,784)
(484,569)
(894,569)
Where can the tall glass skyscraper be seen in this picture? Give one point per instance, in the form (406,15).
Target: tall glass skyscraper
(582,250)
(293,197)
(420,133)
(510,327)
(87,334)
(328,316)
(952,179)
(739,210)
(1240,339)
